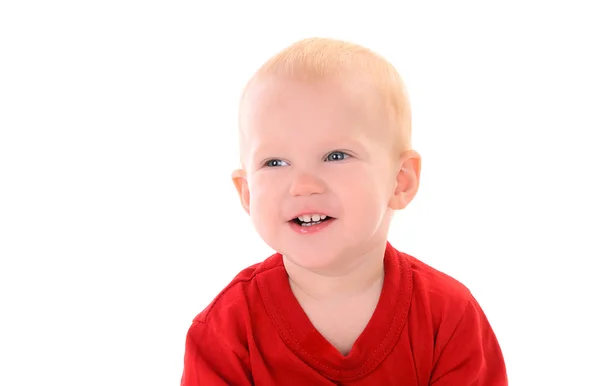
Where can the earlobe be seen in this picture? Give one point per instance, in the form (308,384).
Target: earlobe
(241,184)
(407,180)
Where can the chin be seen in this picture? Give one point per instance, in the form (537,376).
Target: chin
(312,255)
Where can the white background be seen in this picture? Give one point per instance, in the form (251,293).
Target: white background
(119,222)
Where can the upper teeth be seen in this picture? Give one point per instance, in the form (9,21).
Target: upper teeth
(311,217)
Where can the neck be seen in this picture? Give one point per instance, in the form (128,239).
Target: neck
(364,273)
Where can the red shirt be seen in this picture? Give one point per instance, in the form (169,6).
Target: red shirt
(427,329)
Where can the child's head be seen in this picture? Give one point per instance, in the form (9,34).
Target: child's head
(325,130)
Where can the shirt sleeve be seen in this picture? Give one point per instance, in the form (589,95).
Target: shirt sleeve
(468,354)
(209,362)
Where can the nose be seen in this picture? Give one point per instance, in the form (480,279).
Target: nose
(306,184)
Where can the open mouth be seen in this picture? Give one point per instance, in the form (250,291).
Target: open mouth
(311,220)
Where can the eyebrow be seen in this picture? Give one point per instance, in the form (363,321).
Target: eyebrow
(261,149)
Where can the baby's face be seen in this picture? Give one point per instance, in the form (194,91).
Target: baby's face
(319,168)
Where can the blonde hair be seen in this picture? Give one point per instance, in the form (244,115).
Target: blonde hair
(317,58)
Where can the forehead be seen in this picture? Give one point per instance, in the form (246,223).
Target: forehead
(276,110)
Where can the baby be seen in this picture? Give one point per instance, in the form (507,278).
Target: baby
(326,160)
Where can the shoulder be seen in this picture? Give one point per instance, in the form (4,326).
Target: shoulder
(435,282)
(450,322)
(233,301)
(440,295)
(228,320)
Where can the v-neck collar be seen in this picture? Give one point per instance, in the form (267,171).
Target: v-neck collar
(372,346)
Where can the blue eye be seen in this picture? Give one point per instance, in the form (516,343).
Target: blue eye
(273,163)
(337,156)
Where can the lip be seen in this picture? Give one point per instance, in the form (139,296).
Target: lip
(306,230)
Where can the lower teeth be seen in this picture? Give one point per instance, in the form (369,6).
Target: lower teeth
(308,224)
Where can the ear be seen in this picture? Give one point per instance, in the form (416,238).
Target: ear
(407,180)
(241,184)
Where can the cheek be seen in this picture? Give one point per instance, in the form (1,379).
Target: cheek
(363,192)
(263,194)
